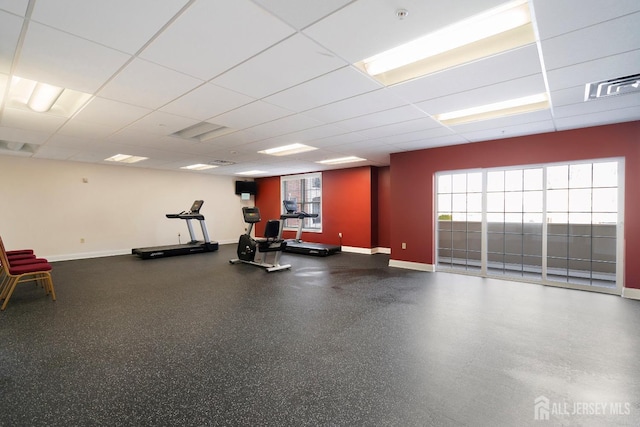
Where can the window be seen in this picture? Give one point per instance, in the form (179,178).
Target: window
(556,223)
(306,191)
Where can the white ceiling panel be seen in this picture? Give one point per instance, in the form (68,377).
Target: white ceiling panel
(370,102)
(23,119)
(509,131)
(600,118)
(594,106)
(28,136)
(302,12)
(110,113)
(510,65)
(72,62)
(161,123)
(10,27)
(606,68)
(82,129)
(148,85)
(55,153)
(504,91)
(381,118)
(285,126)
(278,71)
(560,17)
(334,86)
(286,64)
(571,48)
(252,114)
(198,42)
(19,7)
(135,25)
(205,102)
(365,28)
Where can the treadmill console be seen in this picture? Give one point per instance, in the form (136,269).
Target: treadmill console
(195,207)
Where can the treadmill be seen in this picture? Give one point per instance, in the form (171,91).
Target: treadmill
(192,247)
(297,245)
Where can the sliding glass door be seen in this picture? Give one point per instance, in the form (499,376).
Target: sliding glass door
(551,223)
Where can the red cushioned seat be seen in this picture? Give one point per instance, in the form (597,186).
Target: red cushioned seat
(20,252)
(19,262)
(20,256)
(29,268)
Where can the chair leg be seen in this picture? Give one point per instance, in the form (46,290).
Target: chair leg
(11,286)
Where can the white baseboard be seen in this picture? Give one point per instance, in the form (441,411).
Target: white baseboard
(356,250)
(412,265)
(631,293)
(382,251)
(85,255)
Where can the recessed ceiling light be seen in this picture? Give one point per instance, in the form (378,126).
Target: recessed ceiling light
(198,167)
(45,98)
(125,158)
(286,150)
(252,172)
(202,131)
(341,160)
(510,107)
(497,30)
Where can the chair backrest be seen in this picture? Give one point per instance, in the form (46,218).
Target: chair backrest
(4,261)
(272,229)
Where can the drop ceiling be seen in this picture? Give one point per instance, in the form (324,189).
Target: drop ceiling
(280,72)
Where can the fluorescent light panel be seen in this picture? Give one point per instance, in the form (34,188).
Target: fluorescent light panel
(45,98)
(341,160)
(497,30)
(286,150)
(125,158)
(252,172)
(198,167)
(510,107)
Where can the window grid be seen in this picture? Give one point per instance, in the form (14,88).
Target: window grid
(306,191)
(555,223)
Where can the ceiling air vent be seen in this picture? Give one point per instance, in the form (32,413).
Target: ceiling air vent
(613,87)
(202,132)
(17,147)
(221,162)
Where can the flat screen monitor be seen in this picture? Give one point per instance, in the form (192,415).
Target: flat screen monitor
(246,187)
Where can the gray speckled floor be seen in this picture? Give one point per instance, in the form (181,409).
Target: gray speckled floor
(337,341)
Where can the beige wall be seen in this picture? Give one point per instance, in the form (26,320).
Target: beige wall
(45,205)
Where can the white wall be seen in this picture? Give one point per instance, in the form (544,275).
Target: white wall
(45,205)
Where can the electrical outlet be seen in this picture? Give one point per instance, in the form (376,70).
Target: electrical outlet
(404,245)
(82,240)
(340,235)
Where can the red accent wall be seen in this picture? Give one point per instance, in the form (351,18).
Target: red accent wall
(384,207)
(412,186)
(350,205)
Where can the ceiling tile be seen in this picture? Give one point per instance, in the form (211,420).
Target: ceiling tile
(96,20)
(19,7)
(559,17)
(606,68)
(110,113)
(605,39)
(370,102)
(252,114)
(510,65)
(161,123)
(148,85)
(365,28)
(71,62)
(381,118)
(512,89)
(10,27)
(286,64)
(206,101)
(23,119)
(301,13)
(509,131)
(198,42)
(334,86)
(600,118)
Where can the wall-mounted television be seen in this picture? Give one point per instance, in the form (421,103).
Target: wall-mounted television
(246,187)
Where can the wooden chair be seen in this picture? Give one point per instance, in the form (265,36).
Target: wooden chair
(20,272)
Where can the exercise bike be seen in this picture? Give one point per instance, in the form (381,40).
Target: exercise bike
(272,242)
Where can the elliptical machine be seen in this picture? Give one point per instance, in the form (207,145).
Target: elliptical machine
(248,247)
